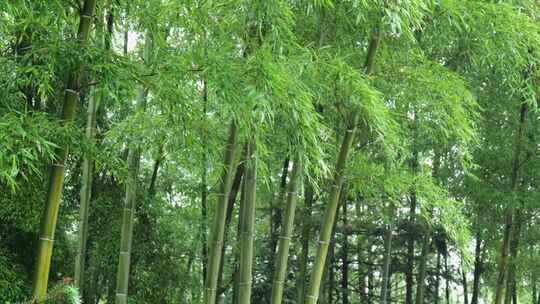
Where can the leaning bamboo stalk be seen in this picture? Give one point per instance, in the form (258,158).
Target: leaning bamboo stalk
(330,213)
(54,195)
(285,237)
(218,228)
(248,227)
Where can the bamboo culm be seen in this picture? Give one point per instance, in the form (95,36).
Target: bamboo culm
(218,227)
(285,236)
(85,195)
(509,211)
(248,227)
(330,214)
(56,183)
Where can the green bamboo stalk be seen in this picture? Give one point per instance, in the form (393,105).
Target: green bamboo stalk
(128,214)
(330,213)
(247,228)
(88,165)
(54,195)
(509,210)
(218,228)
(387,256)
(285,237)
(85,195)
(301,278)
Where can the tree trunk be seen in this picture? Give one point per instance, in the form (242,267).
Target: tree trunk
(204,191)
(422,269)
(387,257)
(285,237)
(438,278)
(218,229)
(509,211)
(134,154)
(511,294)
(230,208)
(275,215)
(330,211)
(85,195)
(304,239)
(447,277)
(465,284)
(54,195)
(345,256)
(477,268)
(409,279)
(248,223)
(329,214)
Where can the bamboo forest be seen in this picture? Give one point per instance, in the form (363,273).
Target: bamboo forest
(270,151)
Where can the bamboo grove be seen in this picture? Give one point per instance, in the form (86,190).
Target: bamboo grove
(276,151)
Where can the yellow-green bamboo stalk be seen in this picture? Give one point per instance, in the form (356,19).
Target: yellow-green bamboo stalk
(54,195)
(330,213)
(86,194)
(247,228)
(218,228)
(285,237)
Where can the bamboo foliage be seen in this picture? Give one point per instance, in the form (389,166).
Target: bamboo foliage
(56,181)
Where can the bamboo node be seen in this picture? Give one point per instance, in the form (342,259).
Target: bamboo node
(72,91)
(312,297)
(210,289)
(292,193)
(284,237)
(323,242)
(121,294)
(58,165)
(86,16)
(124,252)
(43,238)
(349,130)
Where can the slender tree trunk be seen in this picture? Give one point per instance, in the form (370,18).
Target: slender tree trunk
(438,278)
(302,272)
(237,182)
(54,195)
(330,211)
(465,284)
(241,217)
(511,293)
(509,211)
(422,269)
(85,195)
(447,277)
(204,191)
(345,255)
(387,257)
(285,237)
(477,268)
(409,279)
(134,154)
(218,228)
(329,215)
(275,215)
(248,223)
